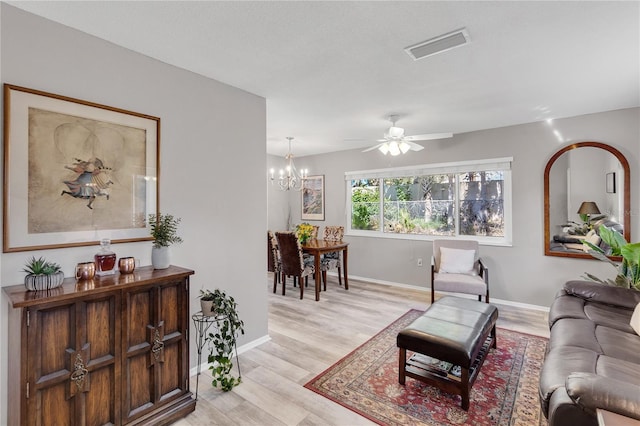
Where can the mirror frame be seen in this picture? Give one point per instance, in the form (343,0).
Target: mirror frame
(627,197)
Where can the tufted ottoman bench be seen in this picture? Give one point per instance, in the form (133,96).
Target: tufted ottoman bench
(450,340)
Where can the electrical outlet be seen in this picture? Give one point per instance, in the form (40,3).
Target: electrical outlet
(419,261)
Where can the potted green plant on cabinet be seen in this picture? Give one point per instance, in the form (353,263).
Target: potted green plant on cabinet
(42,274)
(222,341)
(164,230)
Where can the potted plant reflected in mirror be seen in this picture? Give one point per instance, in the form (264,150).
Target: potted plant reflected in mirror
(42,274)
(222,340)
(164,230)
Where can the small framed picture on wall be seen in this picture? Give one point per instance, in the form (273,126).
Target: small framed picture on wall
(313,198)
(611,182)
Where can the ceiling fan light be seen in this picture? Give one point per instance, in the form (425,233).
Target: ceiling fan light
(395,132)
(394,149)
(384,148)
(404,147)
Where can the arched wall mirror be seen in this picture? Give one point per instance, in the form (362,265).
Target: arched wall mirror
(586,185)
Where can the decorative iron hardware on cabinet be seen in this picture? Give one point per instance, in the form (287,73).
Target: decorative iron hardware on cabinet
(79,372)
(157,345)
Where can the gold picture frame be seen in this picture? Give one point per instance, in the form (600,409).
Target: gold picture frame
(76,171)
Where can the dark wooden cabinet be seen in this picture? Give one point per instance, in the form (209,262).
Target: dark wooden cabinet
(110,351)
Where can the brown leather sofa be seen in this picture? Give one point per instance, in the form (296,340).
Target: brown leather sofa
(593,357)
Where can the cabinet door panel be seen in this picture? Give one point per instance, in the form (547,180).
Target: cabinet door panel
(72,381)
(101,329)
(138,326)
(139,316)
(170,378)
(52,331)
(49,367)
(138,377)
(155,357)
(99,410)
(170,300)
(51,407)
(171,374)
(99,400)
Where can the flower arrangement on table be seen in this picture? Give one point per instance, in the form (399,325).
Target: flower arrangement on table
(304,232)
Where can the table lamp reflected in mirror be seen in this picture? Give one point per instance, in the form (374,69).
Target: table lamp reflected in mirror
(586,210)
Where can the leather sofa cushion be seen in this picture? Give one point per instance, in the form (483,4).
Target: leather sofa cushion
(579,333)
(601,293)
(579,345)
(609,316)
(559,363)
(567,306)
(563,411)
(619,369)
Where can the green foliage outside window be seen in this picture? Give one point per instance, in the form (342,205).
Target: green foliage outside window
(365,202)
(472,202)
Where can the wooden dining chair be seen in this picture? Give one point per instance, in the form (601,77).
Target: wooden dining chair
(273,259)
(332,260)
(292,262)
(308,259)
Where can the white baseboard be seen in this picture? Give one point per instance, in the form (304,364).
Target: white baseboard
(428,289)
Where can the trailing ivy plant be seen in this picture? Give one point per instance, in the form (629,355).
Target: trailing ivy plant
(222,341)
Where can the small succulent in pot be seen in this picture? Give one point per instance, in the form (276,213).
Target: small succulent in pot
(42,274)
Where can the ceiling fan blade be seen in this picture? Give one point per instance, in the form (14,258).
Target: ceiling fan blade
(414,146)
(428,137)
(373,147)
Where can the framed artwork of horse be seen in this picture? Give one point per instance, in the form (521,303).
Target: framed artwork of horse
(76,171)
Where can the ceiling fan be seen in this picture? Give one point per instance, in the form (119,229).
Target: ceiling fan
(396,143)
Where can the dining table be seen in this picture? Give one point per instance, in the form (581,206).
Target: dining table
(316,248)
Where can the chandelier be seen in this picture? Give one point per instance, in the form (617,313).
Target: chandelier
(289,178)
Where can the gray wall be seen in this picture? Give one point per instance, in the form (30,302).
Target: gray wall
(278,201)
(213,153)
(520,273)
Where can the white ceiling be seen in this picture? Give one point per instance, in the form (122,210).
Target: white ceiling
(333,71)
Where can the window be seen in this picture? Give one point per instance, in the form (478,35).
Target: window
(466,199)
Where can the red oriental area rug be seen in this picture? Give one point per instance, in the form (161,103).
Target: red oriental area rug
(505,392)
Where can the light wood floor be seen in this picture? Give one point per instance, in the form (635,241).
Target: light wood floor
(307,337)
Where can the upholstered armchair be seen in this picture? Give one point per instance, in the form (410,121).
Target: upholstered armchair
(456,267)
(332,260)
(292,262)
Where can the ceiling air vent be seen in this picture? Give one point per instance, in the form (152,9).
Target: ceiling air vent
(438,44)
